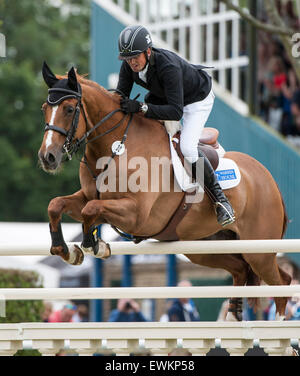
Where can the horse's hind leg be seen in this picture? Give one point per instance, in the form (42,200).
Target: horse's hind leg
(266,267)
(71,205)
(281,302)
(239,270)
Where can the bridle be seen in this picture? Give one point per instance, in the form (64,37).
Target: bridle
(70,145)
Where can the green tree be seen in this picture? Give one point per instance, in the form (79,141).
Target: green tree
(21,310)
(35,31)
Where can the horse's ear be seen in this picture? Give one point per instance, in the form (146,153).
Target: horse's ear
(49,76)
(72,79)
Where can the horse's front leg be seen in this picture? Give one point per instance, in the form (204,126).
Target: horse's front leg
(121,213)
(71,205)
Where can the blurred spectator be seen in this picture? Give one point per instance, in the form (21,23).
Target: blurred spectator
(63,315)
(128,310)
(183,309)
(263,61)
(294,134)
(47,311)
(295,108)
(288,89)
(82,314)
(277,80)
(278,84)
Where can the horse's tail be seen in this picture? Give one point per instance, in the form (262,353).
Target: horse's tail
(285,216)
(253,280)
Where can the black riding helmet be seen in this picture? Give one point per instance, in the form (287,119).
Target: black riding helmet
(134,40)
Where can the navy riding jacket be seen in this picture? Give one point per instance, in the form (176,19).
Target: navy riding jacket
(172,83)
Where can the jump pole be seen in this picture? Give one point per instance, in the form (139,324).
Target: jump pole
(149,292)
(177,247)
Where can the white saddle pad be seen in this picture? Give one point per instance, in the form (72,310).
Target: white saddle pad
(182,178)
(228,173)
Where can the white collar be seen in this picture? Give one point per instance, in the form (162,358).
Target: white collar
(142,74)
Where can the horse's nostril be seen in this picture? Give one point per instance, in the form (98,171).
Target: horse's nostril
(51,158)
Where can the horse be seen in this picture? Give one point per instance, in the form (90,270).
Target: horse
(80,112)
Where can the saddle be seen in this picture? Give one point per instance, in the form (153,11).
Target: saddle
(208,144)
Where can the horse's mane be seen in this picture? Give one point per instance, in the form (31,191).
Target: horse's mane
(83,80)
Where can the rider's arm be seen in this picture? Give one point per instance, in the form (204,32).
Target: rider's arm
(125,79)
(172,82)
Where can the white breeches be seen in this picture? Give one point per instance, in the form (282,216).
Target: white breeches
(194,118)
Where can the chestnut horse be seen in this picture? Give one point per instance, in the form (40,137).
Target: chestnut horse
(81,112)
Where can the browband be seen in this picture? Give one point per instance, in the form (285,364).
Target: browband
(70,94)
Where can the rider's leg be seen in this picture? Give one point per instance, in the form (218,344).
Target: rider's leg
(224,211)
(194,119)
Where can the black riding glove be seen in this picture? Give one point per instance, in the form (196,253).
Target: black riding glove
(130,105)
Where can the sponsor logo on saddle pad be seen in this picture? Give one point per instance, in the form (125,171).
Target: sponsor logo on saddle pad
(228,173)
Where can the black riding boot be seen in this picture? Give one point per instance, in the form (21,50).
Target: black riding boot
(224,211)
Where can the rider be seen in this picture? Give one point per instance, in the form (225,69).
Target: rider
(177,89)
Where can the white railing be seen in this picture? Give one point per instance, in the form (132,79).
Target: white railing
(90,293)
(164,248)
(203,32)
(157,338)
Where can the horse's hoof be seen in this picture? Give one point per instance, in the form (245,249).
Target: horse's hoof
(73,256)
(279,317)
(101,251)
(105,251)
(76,255)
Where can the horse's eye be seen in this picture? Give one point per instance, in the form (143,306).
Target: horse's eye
(70,110)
